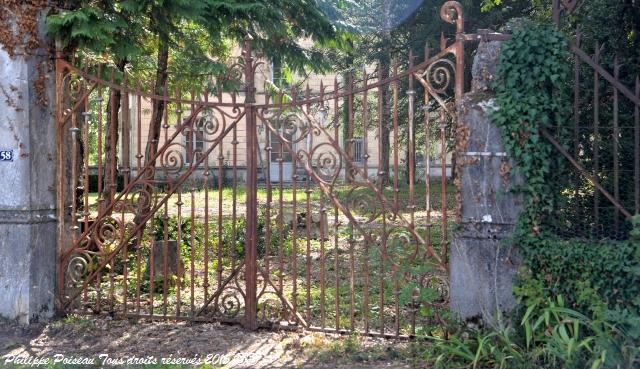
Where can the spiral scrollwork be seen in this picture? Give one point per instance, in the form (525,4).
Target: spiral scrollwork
(77,269)
(270,310)
(326,162)
(208,125)
(74,86)
(234,74)
(109,233)
(401,246)
(230,305)
(141,200)
(439,75)
(362,201)
(172,160)
(292,127)
(439,285)
(451,12)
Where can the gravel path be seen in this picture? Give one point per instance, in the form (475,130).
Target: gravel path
(111,342)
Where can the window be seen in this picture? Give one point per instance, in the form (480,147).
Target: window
(281,75)
(358,150)
(194,142)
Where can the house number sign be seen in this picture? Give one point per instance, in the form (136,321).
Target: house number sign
(6,155)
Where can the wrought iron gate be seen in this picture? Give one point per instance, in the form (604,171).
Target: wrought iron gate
(197,229)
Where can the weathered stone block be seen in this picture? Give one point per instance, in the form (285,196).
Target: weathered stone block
(483,265)
(485,65)
(28,231)
(175,265)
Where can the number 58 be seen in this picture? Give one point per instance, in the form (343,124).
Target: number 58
(6,155)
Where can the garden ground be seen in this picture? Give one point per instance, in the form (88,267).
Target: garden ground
(81,337)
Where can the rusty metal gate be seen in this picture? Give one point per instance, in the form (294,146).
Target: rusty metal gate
(260,208)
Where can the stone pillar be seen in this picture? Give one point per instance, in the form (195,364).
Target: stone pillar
(482,265)
(27,187)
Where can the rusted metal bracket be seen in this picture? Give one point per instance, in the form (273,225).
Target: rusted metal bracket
(484,153)
(486,35)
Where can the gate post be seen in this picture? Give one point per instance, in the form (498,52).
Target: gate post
(483,266)
(251,246)
(27,171)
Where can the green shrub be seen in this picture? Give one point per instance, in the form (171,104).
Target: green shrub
(233,236)
(549,336)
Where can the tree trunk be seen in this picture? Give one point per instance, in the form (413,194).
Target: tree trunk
(345,120)
(385,139)
(110,170)
(385,72)
(453,164)
(155,126)
(158,106)
(347,128)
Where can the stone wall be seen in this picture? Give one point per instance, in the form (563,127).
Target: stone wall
(27,184)
(482,265)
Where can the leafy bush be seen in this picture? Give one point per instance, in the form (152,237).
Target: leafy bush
(549,336)
(233,239)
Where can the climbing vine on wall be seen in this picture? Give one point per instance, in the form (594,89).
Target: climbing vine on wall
(531,93)
(19,25)
(19,35)
(599,277)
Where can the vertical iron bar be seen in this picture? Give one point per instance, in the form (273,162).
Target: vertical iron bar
(138,168)
(349,139)
(365,118)
(294,233)
(165,229)
(192,246)
(427,155)
(396,186)
(192,251)
(336,224)
(234,194)
(308,234)
(251,252)
(365,152)
(396,154)
(126,172)
(85,170)
(576,100)
(112,117)
(443,178)
(179,204)
(323,286)
(637,149)
(381,174)
(576,116)
(267,222)
(616,138)
(221,241)
(596,135)
(348,178)
(59,72)
(411,93)
(282,130)
(126,134)
(152,246)
(74,177)
(101,198)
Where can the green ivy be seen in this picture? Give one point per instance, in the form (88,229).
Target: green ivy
(600,278)
(578,298)
(531,90)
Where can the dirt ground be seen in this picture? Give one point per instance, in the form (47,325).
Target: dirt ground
(102,342)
